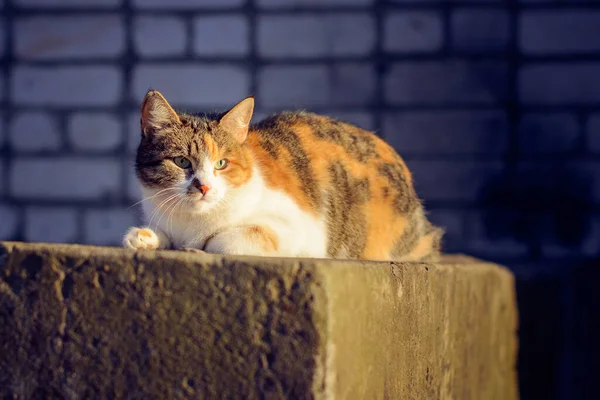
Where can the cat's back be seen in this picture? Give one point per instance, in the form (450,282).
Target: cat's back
(314,157)
(311,136)
(346,175)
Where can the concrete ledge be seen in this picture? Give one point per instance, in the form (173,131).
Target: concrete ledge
(87,322)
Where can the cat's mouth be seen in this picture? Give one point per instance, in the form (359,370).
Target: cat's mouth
(196,197)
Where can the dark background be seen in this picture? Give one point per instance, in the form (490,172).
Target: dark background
(494,105)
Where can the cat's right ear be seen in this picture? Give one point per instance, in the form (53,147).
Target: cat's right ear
(157,113)
(237,120)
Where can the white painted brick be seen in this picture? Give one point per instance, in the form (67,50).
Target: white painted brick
(559,31)
(446,82)
(54,225)
(352,84)
(480,30)
(348,84)
(187,4)
(34,131)
(293,86)
(65,178)
(193,85)
(316,36)
(96,132)
(312,3)
(107,227)
(68,3)
(452,180)
(72,37)
(447,132)
(548,133)
(221,35)
(159,36)
(412,32)
(134,132)
(560,83)
(8,222)
(66,86)
(134,193)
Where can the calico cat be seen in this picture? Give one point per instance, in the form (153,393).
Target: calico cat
(296,184)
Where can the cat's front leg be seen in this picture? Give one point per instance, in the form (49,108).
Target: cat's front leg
(145,238)
(252,240)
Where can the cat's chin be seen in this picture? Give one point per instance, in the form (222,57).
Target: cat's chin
(201,205)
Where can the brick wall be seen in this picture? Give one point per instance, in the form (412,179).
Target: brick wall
(487,101)
(494,104)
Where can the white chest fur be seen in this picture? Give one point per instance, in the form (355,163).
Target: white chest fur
(299,233)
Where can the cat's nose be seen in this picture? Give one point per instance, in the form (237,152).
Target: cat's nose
(204,189)
(201,188)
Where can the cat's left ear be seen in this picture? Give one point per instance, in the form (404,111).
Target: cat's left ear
(237,120)
(157,113)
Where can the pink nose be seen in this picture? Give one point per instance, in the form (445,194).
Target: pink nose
(202,188)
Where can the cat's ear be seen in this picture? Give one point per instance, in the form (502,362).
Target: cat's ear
(157,113)
(237,120)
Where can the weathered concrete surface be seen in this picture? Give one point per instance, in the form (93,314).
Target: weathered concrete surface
(84,322)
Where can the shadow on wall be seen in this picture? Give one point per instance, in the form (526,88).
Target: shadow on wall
(547,208)
(522,175)
(558,332)
(543,199)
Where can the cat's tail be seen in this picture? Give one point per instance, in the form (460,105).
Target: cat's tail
(423,243)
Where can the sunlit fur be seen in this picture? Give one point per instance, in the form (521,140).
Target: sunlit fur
(296,184)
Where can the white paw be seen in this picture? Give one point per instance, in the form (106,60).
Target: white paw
(141,238)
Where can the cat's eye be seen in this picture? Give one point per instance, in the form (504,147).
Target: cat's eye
(221,164)
(182,162)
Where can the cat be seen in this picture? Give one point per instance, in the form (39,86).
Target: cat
(296,184)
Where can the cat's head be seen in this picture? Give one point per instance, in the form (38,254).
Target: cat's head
(192,163)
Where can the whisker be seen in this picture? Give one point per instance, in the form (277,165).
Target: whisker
(162,206)
(159,207)
(151,197)
(168,207)
(169,218)
(170,213)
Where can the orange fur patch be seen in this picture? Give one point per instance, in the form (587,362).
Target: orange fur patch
(239,170)
(382,220)
(144,233)
(278,173)
(265,238)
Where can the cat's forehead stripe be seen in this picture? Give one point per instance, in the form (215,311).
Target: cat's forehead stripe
(210,147)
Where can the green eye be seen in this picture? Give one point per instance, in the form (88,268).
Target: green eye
(182,162)
(221,164)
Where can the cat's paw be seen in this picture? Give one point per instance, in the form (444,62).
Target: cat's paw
(141,238)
